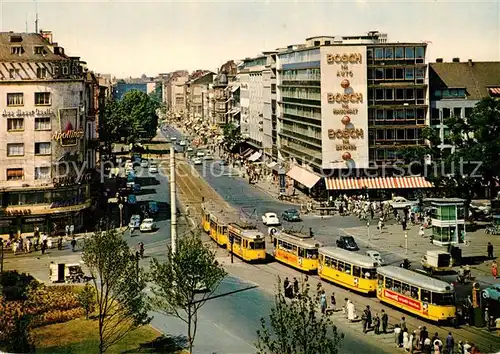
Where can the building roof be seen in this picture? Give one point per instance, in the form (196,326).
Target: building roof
(475,77)
(28,41)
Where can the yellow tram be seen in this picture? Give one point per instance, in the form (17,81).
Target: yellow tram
(349,269)
(216,220)
(205,216)
(419,294)
(248,242)
(296,251)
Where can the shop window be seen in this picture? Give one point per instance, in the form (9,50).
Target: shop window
(389,74)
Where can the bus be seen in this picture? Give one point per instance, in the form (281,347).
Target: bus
(298,252)
(416,293)
(248,242)
(349,269)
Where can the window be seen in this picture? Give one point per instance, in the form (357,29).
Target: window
(42,149)
(406,289)
(380,134)
(379,114)
(15,174)
(419,52)
(328,42)
(425,295)
(389,94)
(379,74)
(389,53)
(38,50)
(16,50)
(468,112)
(14,74)
(420,72)
(446,113)
(317,43)
(379,94)
(399,53)
(461,92)
(389,74)
(400,94)
(41,73)
(399,73)
(389,133)
(410,94)
(15,149)
(409,53)
(14,124)
(410,114)
(380,154)
(356,271)
(443,299)
(389,114)
(388,283)
(420,113)
(396,286)
(379,53)
(400,114)
(43,123)
(409,74)
(457,112)
(42,98)
(400,134)
(410,134)
(42,172)
(15,99)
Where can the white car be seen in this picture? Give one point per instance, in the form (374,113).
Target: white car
(173,138)
(400,203)
(144,163)
(189,149)
(208,157)
(270,219)
(197,161)
(375,256)
(147,225)
(183,143)
(153,169)
(200,154)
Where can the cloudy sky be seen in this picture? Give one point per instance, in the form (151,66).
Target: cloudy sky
(128,38)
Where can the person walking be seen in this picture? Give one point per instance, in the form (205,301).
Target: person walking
(406,340)
(416,337)
(412,341)
(333,302)
(494,269)
(402,324)
(295,287)
(423,336)
(43,247)
(73,244)
(376,324)
(385,320)
(397,334)
(490,250)
(59,243)
(322,301)
(450,343)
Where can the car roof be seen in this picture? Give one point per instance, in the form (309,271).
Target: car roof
(148,220)
(270,213)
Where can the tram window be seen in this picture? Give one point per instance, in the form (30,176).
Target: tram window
(388,283)
(414,292)
(397,286)
(443,299)
(311,254)
(340,266)
(257,245)
(347,268)
(380,280)
(334,264)
(369,273)
(224,230)
(425,295)
(406,289)
(275,241)
(356,271)
(245,243)
(295,249)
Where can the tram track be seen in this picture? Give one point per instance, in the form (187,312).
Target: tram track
(193,187)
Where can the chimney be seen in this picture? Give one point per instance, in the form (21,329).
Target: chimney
(439,60)
(470,62)
(456,60)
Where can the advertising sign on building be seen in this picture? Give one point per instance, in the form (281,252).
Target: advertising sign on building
(69,132)
(344,107)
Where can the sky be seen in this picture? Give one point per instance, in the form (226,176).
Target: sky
(131,38)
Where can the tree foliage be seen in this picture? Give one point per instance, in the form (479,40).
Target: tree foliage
(87,299)
(297,326)
(130,119)
(119,285)
(232,136)
(182,284)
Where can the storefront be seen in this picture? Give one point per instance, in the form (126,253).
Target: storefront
(303,179)
(448,220)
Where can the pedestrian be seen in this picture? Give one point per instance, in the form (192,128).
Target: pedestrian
(406,340)
(285,286)
(450,343)
(43,247)
(344,308)
(364,319)
(59,243)
(14,247)
(402,324)
(438,345)
(427,345)
(490,250)
(423,336)
(28,246)
(487,318)
(416,335)
(461,349)
(385,320)
(295,287)
(494,269)
(73,244)
(322,301)
(412,341)
(467,347)
(376,324)
(333,302)
(351,311)
(403,224)
(397,333)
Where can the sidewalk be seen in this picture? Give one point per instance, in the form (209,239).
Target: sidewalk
(392,240)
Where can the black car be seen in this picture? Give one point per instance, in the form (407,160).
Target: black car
(347,243)
(291,215)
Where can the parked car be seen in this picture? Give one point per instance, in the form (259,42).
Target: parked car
(153,169)
(208,157)
(147,225)
(173,138)
(375,255)
(347,243)
(197,161)
(183,143)
(153,207)
(189,149)
(200,154)
(291,215)
(135,221)
(492,293)
(144,163)
(131,199)
(400,203)
(270,219)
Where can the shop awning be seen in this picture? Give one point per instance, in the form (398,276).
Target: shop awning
(247,153)
(377,183)
(271,164)
(15,172)
(303,176)
(255,156)
(494,91)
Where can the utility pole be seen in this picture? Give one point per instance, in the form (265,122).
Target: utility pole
(173,207)
(36,18)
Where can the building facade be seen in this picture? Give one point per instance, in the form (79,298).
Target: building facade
(43,139)
(175,92)
(222,93)
(455,88)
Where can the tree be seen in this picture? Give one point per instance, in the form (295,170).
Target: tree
(297,327)
(232,136)
(185,281)
(139,109)
(119,285)
(477,145)
(87,299)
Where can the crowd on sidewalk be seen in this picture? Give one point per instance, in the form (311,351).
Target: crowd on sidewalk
(39,241)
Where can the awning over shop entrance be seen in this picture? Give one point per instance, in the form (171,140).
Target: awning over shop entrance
(303,176)
(377,183)
(255,156)
(246,153)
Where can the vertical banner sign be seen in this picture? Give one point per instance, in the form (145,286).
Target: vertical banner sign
(344,107)
(282,179)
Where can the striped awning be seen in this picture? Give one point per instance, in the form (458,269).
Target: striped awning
(247,153)
(377,183)
(494,91)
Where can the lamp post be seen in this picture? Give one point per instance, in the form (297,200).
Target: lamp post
(368,229)
(120,206)
(406,242)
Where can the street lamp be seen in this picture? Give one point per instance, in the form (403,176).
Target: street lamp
(120,206)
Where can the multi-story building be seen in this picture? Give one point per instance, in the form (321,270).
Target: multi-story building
(269,125)
(175,92)
(222,93)
(455,88)
(144,84)
(349,105)
(43,155)
(196,90)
